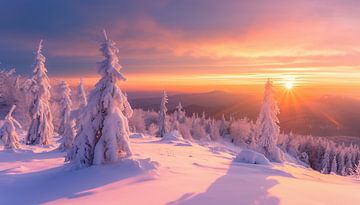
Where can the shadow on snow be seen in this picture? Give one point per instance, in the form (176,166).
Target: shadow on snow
(235,188)
(28,155)
(61,182)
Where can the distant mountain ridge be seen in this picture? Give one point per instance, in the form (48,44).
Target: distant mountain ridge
(328,115)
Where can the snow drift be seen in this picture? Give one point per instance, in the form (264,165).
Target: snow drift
(251,157)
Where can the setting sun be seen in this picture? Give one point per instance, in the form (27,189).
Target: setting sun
(289,82)
(289,85)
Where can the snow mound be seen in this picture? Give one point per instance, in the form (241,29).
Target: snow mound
(174,137)
(137,165)
(143,164)
(251,157)
(137,136)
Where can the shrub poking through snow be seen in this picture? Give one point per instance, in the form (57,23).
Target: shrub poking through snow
(8,133)
(251,157)
(41,127)
(162,116)
(103,136)
(267,126)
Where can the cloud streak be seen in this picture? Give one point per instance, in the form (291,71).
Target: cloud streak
(246,40)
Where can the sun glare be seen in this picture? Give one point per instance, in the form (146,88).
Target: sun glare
(289,83)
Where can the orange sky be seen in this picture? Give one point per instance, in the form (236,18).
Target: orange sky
(197,46)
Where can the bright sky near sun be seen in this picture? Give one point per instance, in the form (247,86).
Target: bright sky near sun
(205,44)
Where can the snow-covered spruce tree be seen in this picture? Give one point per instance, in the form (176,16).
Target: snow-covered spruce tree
(341,161)
(41,127)
(8,133)
(198,131)
(213,129)
(9,86)
(267,126)
(81,94)
(67,125)
(81,98)
(179,117)
(333,169)
(137,121)
(357,170)
(224,129)
(103,137)
(325,163)
(162,116)
(68,136)
(65,106)
(180,114)
(12,93)
(349,169)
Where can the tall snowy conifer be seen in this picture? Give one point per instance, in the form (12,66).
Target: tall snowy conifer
(65,106)
(67,125)
(180,113)
(41,127)
(349,169)
(178,117)
(224,130)
(333,169)
(103,137)
(325,163)
(162,116)
(8,131)
(341,162)
(267,126)
(357,169)
(82,102)
(81,94)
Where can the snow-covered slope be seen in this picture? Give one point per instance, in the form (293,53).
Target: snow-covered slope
(166,173)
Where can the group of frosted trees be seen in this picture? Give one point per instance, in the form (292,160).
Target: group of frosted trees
(263,135)
(322,154)
(97,130)
(32,94)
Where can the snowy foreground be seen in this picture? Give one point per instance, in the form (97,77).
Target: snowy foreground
(166,172)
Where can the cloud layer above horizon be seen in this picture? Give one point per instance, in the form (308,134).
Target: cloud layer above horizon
(226,41)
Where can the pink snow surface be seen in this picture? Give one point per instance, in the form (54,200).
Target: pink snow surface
(166,173)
